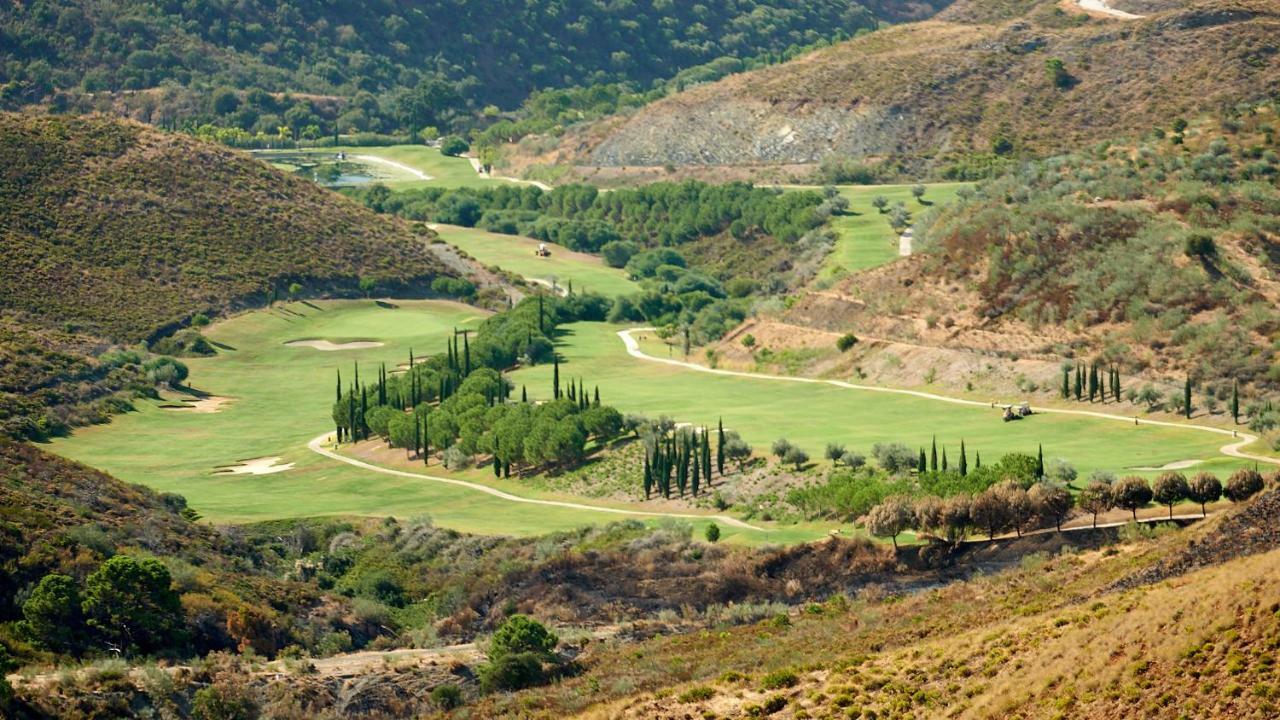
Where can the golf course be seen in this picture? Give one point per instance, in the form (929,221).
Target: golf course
(519,255)
(399,167)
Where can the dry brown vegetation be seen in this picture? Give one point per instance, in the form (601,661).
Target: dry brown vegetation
(929,93)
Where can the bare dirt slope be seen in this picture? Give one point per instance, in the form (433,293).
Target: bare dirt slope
(957,83)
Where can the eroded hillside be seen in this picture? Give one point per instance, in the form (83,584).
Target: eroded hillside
(975,80)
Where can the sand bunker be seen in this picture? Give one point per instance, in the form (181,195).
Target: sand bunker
(1176,465)
(211,404)
(329,346)
(256,466)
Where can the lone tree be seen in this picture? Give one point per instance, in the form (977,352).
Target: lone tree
(1096,498)
(890,518)
(834,452)
(737,450)
(712,533)
(1242,485)
(1235,402)
(1170,489)
(1204,489)
(880,202)
(780,447)
(1131,492)
(1186,398)
(918,191)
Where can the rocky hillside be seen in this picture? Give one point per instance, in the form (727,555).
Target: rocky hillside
(115,233)
(1006,78)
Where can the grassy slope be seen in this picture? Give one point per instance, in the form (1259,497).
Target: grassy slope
(281,399)
(517,254)
(444,171)
(140,229)
(812,415)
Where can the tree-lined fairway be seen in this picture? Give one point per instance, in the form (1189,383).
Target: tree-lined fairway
(517,254)
(811,415)
(865,239)
(449,172)
(281,398)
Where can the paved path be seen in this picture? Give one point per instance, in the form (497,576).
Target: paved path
(399,166)
(475,163)
(1231,449)
(1104,7)
(318,445)
(904,243)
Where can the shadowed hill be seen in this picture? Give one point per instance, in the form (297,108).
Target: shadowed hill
(115,233)
(977,79)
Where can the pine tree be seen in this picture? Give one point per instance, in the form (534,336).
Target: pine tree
(1039,461)
(933,455)
(1235,401)
(964,462)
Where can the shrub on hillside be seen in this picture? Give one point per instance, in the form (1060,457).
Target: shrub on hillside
(453,146)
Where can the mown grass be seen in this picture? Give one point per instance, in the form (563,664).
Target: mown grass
(864,237)
(811,415)
(517,254)
(281,400)
(445,171)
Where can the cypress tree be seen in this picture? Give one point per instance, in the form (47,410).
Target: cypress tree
(944,458)
(417,438)
(351,415)
(1039,461)
(338,390)
(1186,397)
(1066,383)
(696,465)
(1117,392)
(466,352)
(977,460)
(596,399)
(706,455)
(582,393)
(922,466)
(933,455)
(555,371)
(720,449)
(426,443)
(1079,388)
(364,408)
(497,464)
(524,394)
(1235,401)
(648,477)
(1093,382)
(964,462)
(541,326)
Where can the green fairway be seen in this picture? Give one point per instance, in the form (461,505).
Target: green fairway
(865,238)
(517,254)
(449,172)
(280,398)
(811,415)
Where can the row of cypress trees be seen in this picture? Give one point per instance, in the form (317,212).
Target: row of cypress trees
(683,457)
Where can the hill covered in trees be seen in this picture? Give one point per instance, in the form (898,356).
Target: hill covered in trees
(112,233)
(956,95)
(382,66)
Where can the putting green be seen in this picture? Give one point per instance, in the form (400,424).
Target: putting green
(518,255)
(450,172)
(865,239)
(280,398)
(811,415)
